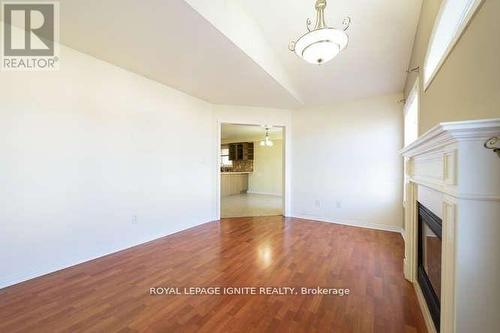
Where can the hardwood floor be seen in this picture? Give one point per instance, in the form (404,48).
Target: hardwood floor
(112,293)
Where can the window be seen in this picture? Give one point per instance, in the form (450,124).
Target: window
(411,115)
(224,157)
(448,27)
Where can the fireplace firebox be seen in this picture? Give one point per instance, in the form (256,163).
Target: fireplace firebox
(429,260)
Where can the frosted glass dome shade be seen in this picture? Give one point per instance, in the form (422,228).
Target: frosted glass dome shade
(322,45)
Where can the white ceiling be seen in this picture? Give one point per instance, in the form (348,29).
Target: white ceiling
(380,41)
(204,49)
(248,132)
(169,42)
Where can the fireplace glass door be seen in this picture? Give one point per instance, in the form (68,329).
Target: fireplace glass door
(429,260)
(431,256)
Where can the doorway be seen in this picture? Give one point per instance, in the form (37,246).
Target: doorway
(251,170)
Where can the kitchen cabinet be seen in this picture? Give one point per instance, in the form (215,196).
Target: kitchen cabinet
(241,151)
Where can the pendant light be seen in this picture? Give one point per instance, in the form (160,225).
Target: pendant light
(322,43)
(267,141)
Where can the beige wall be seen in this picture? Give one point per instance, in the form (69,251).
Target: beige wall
(267,175)
(346,163)
(468,84)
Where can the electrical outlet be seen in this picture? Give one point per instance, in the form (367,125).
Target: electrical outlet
(317,203)
(134,219)
(339,204)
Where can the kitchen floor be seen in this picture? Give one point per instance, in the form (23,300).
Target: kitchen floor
(249,204)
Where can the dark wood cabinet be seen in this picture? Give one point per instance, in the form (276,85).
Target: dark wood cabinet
(241,151)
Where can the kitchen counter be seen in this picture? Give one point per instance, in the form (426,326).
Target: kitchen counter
(234,183)
(235,172)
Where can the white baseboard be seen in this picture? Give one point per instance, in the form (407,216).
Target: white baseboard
(265,193)
(403,234)
(360,224)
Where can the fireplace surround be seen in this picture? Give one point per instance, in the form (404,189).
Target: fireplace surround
(450,172)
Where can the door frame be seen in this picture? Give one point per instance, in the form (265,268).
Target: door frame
(285,158)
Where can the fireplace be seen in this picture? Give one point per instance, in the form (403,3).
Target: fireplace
(429,260)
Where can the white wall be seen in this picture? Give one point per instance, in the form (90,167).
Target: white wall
(346,163)
(93,162)
(267,175)
(87,148)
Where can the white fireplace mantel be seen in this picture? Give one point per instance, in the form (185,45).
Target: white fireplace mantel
(450,169)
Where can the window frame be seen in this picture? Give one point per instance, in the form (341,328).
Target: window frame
(457,35)
(412,95)
(226,146)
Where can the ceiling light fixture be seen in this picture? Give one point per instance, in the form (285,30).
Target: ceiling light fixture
(267,141)
(323,43)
